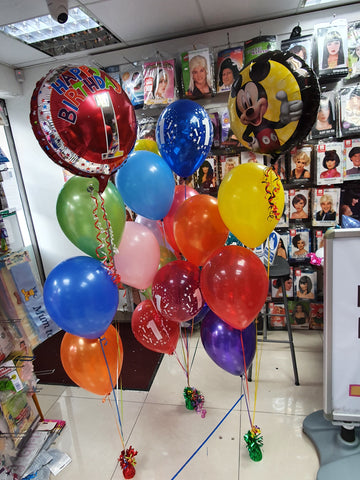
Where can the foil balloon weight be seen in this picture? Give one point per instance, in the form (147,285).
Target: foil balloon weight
(83,121)
(274,102)
(184,135)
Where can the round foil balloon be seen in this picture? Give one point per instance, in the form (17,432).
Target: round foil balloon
(83,121)
(184,134)
(274,102)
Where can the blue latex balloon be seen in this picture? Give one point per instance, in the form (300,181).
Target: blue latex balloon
(184,135)
(81,297)
(223,344)
(146,184)
(349,222)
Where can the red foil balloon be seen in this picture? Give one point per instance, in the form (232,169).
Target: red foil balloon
(83,121)
(182,192)
(234,284)
(152,330)
(176,291)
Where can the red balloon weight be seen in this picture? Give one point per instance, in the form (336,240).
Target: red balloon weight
(234,284)
(176,291)
(182,192)
(152,330)
(83,120)
(83,360)
(198,228)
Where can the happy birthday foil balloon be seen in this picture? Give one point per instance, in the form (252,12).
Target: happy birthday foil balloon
(83,121)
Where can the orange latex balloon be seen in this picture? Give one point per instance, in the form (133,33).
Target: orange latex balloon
(83,360)
(199,229)
(182,192)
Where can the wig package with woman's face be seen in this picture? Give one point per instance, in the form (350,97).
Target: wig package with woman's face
(159,82)
(331,49)
(197,67)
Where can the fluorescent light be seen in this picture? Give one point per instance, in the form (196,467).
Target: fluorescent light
(312,3)
(80,32)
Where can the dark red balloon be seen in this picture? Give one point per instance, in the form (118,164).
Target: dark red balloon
(83,121)
(152,330)
(234,284)
(176,291)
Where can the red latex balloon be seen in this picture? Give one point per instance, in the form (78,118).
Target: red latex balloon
(83,360)
(176,291)
(182,192)
(83,120)
(152,330)
(234,284)
(199,229)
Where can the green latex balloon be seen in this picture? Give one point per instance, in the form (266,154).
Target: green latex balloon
(77,215)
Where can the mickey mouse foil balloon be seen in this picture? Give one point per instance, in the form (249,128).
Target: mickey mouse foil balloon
(83,121)
(274,102)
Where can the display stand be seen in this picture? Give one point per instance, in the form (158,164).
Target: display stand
(335,430)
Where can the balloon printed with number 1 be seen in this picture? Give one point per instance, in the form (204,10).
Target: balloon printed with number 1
(83,121)
(176,291)
(152,330)
(184,135)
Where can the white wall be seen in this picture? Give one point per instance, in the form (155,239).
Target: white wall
(44,179)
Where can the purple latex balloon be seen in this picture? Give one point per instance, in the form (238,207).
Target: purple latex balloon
(153,225)
(223,344)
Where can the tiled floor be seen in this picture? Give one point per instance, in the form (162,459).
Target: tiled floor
(166,434)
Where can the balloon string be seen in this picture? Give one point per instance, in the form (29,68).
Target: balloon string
(101,245)
(117,426)
(257,368)
(111,382)
(246,401)
(271,191)
(244,361)
(179,361)
(109,238)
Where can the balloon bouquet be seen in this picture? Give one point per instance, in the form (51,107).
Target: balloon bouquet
(86,124)
(176,251)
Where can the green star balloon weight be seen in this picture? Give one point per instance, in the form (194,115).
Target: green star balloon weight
(93,223)
(254,442)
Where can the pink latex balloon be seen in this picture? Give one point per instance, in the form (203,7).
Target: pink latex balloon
(182,192)
(176,291)
(138,256)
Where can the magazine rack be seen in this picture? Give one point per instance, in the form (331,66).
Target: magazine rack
(280,270)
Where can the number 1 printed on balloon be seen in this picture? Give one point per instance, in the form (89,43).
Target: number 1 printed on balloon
(103,101)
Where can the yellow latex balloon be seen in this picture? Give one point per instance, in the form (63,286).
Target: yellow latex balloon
(147,144)
(251,201)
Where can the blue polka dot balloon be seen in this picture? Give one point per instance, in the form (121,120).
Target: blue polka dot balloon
(184,135)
